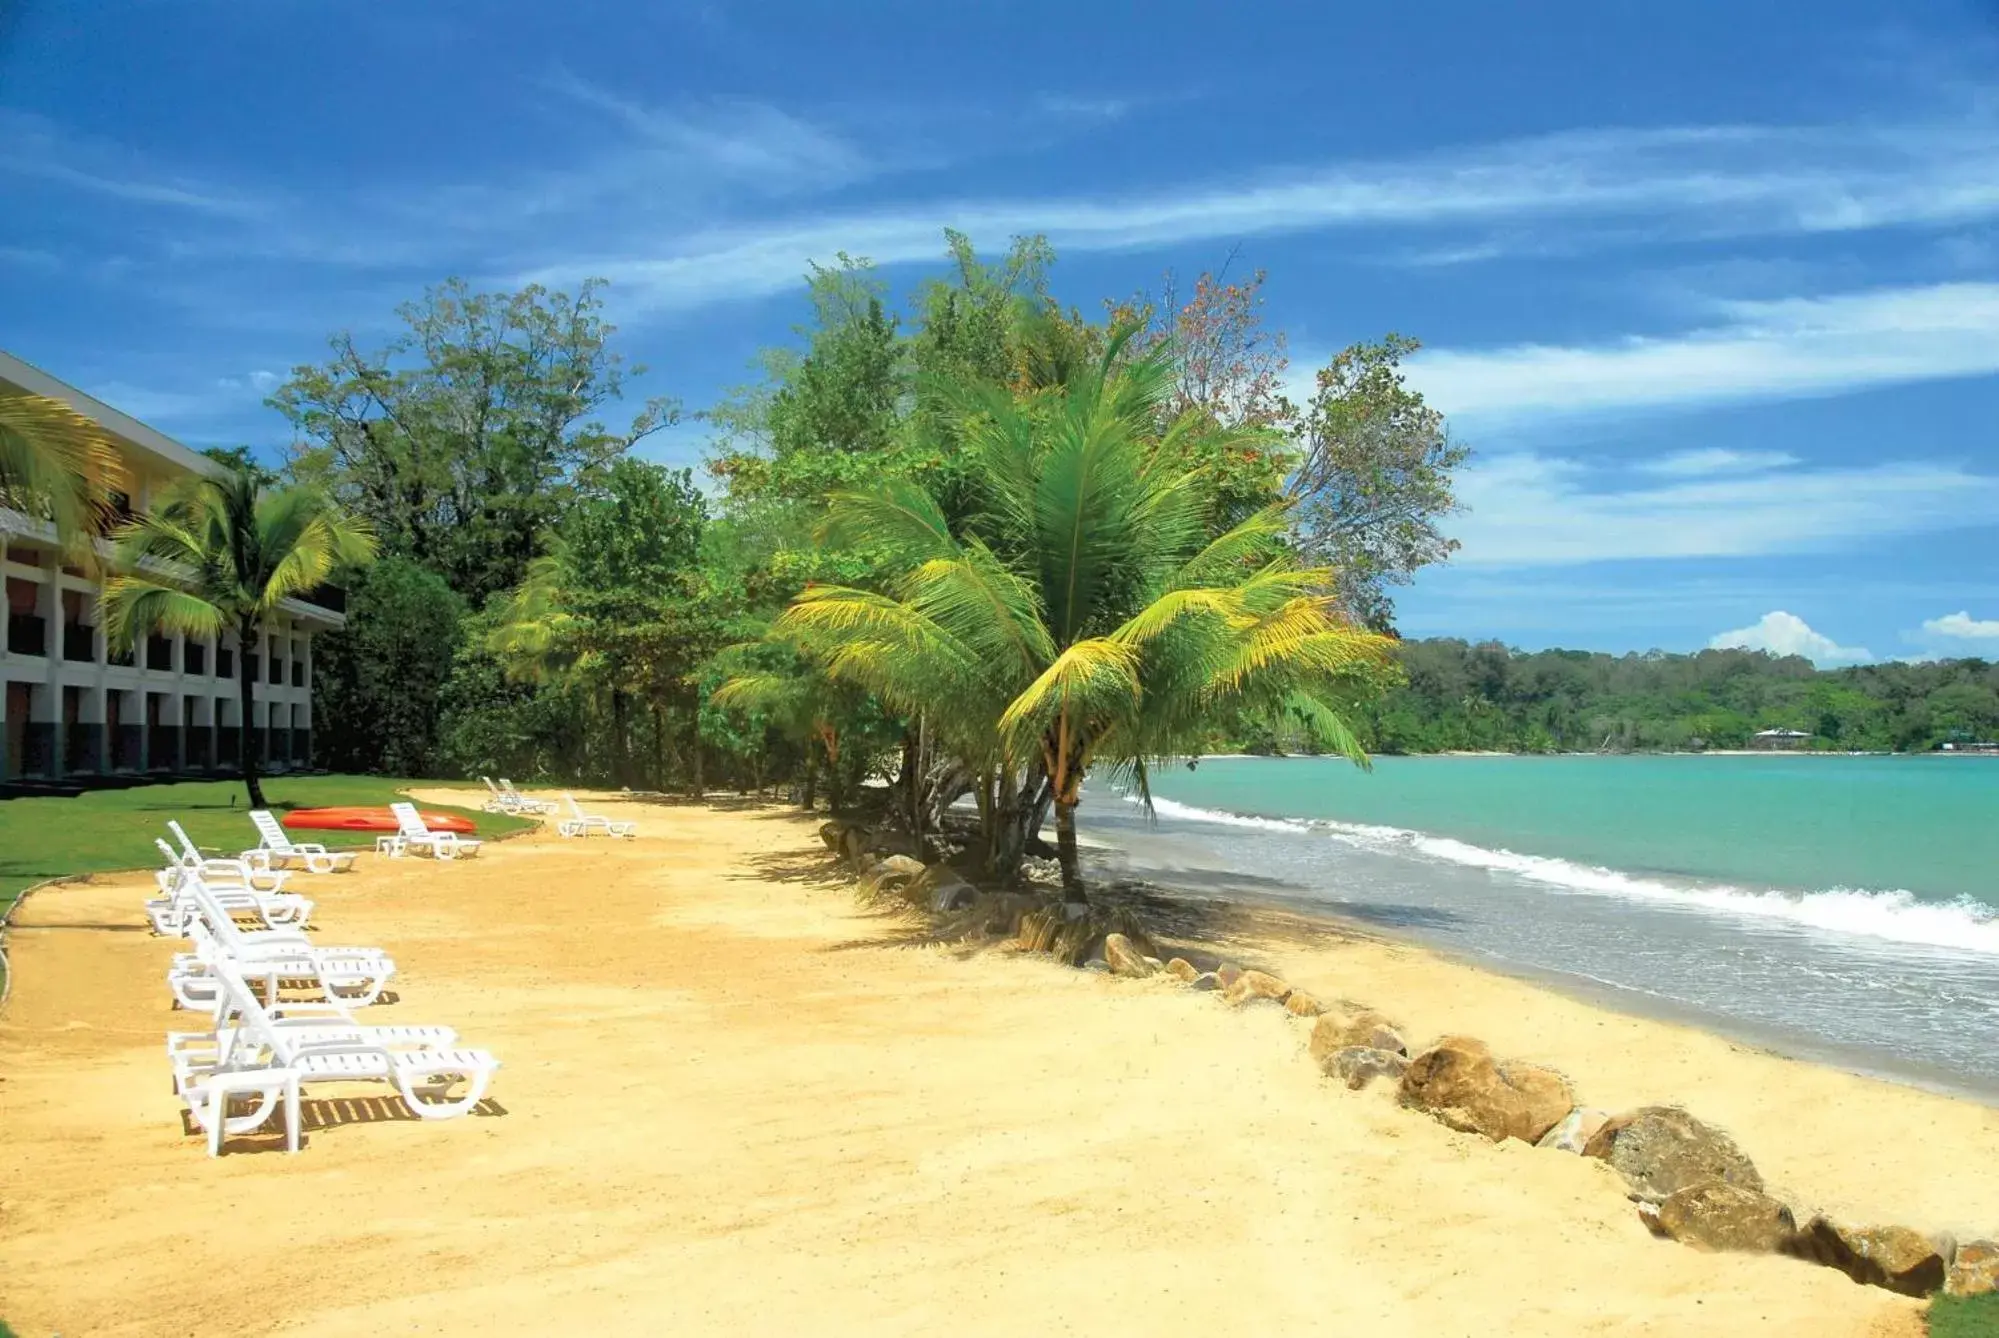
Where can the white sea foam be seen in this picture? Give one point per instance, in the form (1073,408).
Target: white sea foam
(1166,808)
(1895,916)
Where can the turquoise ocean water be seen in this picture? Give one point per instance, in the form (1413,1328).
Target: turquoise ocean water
(1843,907)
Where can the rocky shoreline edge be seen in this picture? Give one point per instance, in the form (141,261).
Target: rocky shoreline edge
(1687,1180)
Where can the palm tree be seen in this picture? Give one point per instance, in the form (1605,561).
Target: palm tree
(56,463)
(1086,614)
(219,555)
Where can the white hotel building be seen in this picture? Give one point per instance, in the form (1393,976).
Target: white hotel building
(70,713)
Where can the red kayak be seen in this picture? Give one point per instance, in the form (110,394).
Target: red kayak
(369,820)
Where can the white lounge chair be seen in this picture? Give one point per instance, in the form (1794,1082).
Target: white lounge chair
(496,800)
(521,803)
(193,1052)
(579,823)
(411,834)
(174,909)
(345,976)
(424,1076)
(272,956)
(231,869)
(276,848)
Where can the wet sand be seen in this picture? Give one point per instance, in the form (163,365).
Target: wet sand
(735,1103)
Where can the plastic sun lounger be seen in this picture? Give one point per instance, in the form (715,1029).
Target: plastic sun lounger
(413,835)
(424,1076)
(192,1053)
(174,909)
(496,800)
(579,823)
(521,803)
(277,848)
(273,956)
(222,867)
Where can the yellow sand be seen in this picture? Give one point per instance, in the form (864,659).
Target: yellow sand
(733,1104)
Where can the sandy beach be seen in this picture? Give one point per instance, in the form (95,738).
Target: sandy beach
(733,1102)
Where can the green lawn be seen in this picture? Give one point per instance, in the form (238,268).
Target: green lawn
(114,829)
(1964,1317)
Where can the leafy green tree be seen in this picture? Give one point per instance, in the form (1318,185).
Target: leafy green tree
(1088,614)
(219,555)
(463,439)
(239,459)
(1375,480)
(377,684)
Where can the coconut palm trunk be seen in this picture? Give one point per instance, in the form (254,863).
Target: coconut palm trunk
(246,698)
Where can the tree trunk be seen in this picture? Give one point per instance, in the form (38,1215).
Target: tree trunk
(810,796)
(695,744)
(1018,802)
(621,773)
(246,683)
(1065,848)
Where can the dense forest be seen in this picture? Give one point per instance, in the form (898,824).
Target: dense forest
(1456,695)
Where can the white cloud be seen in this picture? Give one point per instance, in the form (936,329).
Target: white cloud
(1525,509)
(1788,348)
(1713,181)
(1088,109)
(1714,460)
(1783,633)
(1962,626)
(734,139)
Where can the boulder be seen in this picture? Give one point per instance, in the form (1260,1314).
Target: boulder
(1345,1024)
(940,889)
(1181,969)
(1359,1065)
(1720,1216)
(1125,960)
(1575,1130)
(1253,985)
(1975,1270)
(1894,1257)
(1661,1149)
(1459,1083)
(831,832)
(855,843)
(1207,980)
(1301,1004)
(889,876)
(1227,973)
(1045,872)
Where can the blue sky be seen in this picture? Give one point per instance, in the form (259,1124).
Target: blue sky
(1711,289)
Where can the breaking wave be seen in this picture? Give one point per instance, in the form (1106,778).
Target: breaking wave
(1895,916)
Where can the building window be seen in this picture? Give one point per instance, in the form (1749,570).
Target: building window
(225,661)
(298,673)
(194,657)
(160,652)
(27,631)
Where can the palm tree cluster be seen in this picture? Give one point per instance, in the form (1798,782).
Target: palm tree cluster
(219,554)
(1081,600)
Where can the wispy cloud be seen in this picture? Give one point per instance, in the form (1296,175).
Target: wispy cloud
(1767,349)
(1783,633)
(34,147)
(1711,461)
(1707,182)
(1084,108)
(1532,510)
(749,143)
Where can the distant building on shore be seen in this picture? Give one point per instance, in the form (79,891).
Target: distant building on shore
(1780,740)
(1981,746)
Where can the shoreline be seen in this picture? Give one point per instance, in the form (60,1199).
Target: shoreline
(1636,1004)
(736,1101)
